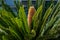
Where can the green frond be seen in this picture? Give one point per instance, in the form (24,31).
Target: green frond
(45,23)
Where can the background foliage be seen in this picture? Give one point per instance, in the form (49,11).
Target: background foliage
(45,23)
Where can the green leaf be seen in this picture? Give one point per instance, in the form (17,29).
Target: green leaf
(23,19)
(35,17)
(4,37)
(55,27)
(48,12)
(14,33)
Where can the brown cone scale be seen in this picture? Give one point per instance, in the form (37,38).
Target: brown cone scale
(31,12)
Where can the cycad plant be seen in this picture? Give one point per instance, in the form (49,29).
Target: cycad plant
(44,24)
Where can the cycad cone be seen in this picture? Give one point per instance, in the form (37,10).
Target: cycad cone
(31,12)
